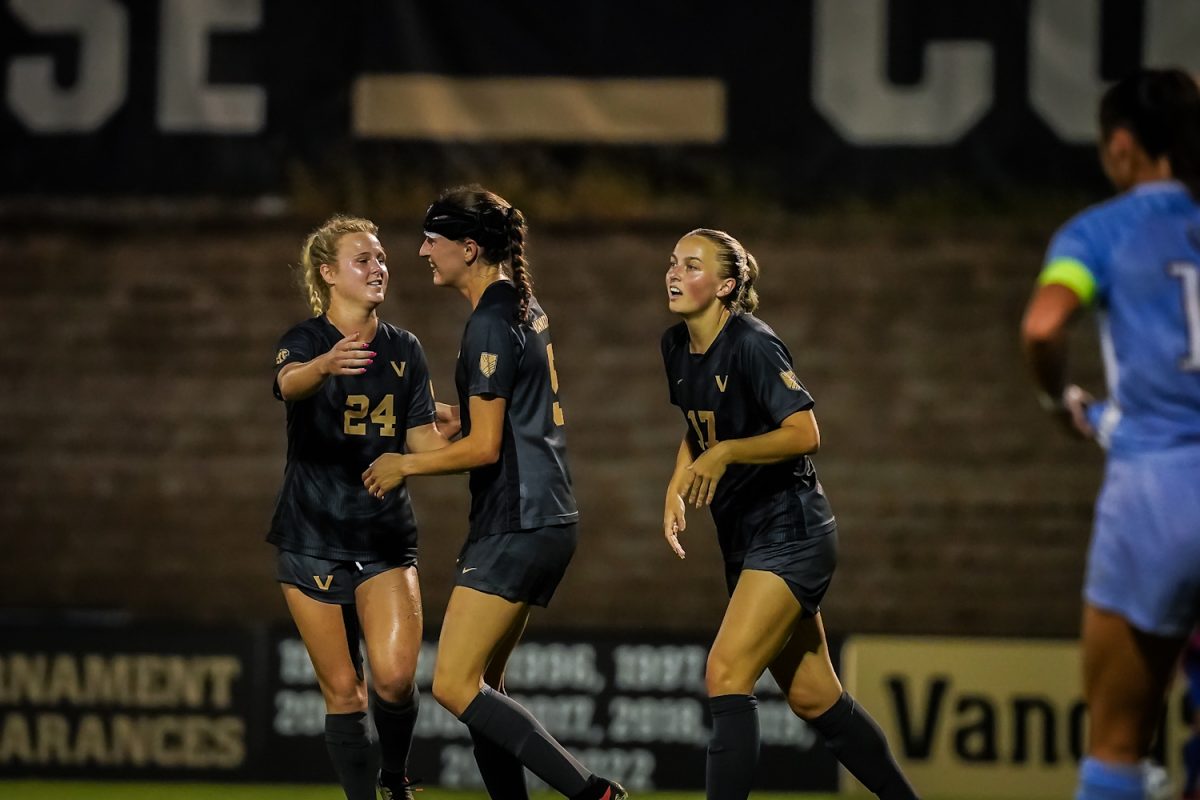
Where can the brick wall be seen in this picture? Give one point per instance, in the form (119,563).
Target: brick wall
(140,447)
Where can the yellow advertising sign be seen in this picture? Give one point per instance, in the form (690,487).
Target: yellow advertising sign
(981,718)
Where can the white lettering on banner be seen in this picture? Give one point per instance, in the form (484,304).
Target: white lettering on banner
(299,713)
(187,103)
(633,768)
(122,740)
(533,665)
(295,667)
(654,719)
(779,725)
(435,722)
(102,30)
(849,81)
(1064,71)
(662,668)
(459,770)
(851,88)
(567,717)
(554,666)
(1170,37)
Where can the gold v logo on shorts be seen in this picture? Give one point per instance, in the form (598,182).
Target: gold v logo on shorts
(323,585)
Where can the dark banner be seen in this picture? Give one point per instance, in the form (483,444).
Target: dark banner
(134,703)
(242,96)
(129,703)
(629,708)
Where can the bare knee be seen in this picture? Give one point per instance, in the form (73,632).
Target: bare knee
(811,700)
(724,675)
(394,685)
(454,692)
(344,693)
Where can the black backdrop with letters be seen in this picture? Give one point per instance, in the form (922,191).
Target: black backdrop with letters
(863,132)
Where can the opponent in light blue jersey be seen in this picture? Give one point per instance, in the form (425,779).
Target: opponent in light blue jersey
(1135,260)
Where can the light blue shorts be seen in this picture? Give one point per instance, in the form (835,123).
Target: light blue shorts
(1144,559)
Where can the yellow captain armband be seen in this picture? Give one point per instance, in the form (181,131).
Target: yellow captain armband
(1073,274)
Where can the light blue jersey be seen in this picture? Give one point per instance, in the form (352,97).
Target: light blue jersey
(1136,259)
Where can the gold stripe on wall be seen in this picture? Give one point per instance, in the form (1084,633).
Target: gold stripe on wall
(608,111)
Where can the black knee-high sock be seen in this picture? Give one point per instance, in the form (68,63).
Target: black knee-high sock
(355,757)
(503,774)
(733,748)
(860,745)
(506,724)
(395,723)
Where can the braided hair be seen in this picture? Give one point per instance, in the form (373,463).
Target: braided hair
(734,261)
(496,225)
(1161,108)
(320,247)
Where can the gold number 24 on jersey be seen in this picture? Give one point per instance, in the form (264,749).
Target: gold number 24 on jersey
(358,406)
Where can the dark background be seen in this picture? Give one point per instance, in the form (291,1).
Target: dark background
(147,278)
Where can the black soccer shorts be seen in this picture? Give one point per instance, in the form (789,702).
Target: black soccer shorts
(331,581)
(520,566)
(806,565)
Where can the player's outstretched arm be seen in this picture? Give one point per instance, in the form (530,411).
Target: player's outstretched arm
(348,357)
(478,449)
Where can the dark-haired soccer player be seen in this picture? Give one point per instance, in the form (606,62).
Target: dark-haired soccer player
(750,428)
(1136,260)
(355,387)
(523,514)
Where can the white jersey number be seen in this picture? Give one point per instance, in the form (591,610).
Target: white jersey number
(1189,278)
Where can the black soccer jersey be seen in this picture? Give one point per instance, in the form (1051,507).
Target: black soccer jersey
(744,386)
(530,485)
(323,509)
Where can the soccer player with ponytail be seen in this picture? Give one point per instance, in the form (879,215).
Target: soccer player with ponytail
(523,513)
(750,429)
(1135,260)
(355,387)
